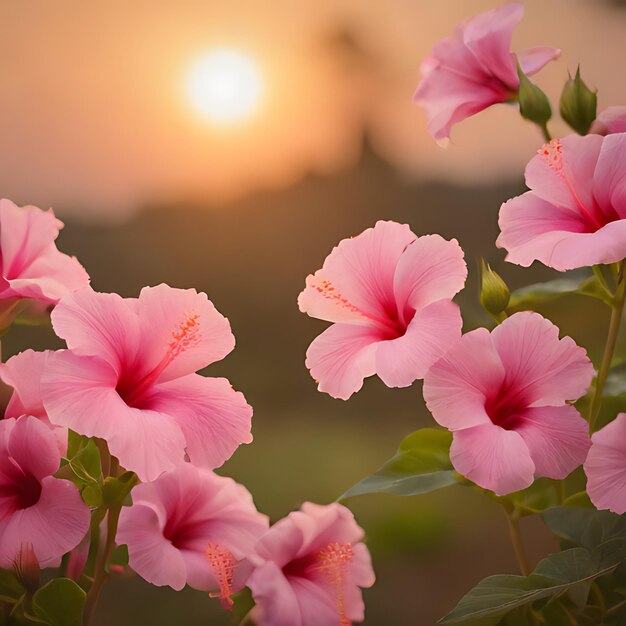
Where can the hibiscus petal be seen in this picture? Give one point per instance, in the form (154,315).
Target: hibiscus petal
(535,230)
(98,324)
(214,418)
(32,265)
(276,600)
(185,320)
(609,187)
(611,120)
(431,269)
(456,387)
(53,526)
(317,601)
(433,330)
(549,370)
(557,437)
(23,372)
(342,357)
(606,466)
(25,234)
(562,172)
(361,271)
(79,393)
(33,447)
(322,525)
(533,59)
(488,35)
(150,554)
(493,458)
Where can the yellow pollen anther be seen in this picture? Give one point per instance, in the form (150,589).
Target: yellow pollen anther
(552,153)
(223,562)
(333,562)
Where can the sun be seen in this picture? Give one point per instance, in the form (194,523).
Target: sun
(224,86)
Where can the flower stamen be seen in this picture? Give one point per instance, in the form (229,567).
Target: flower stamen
(333,562)
(223,562)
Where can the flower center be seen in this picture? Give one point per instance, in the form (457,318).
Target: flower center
(505,406)
(22,489)
(223,562)
(332,562)
(594,219)
(184,336)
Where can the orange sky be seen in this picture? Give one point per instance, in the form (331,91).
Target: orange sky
(94,119)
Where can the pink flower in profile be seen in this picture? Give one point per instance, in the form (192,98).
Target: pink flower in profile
(23,372)
(129,378)
(190,526)
(474,69)
(504,396)
(37,510)
(389,295)
(606,466)
(31,267)
(575,214)
(611,120)
(307,570)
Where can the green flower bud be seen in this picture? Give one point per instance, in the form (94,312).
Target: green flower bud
(494,294)
(578,104)
(533,103)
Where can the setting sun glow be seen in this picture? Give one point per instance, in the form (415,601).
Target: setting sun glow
(224,86)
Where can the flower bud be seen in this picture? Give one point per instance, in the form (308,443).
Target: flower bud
(26,568)
(494,294)
(578,104)
(533,103)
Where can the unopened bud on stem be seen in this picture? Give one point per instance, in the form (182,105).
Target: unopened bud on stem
(494,294)
(578,104)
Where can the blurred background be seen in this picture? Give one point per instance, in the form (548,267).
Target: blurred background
(112,113)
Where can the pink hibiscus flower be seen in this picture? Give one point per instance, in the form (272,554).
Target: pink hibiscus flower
(23,372)
(611,120)
(190,526)
(307,570)
(606,466)
(475,69)
(575,214)
(504,396)
(37,510)
(128,377)
(31,267)
(389,295)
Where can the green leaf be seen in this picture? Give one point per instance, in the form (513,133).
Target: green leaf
(10,587)
(531,296)
(496,596)
(115,490)
(92,495)
(422,464)
(602,532)
(243,604)
(59,603)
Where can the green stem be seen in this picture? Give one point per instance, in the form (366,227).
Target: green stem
(518,546)
(545,132)
(102,556)
(102,575)
(609,348)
